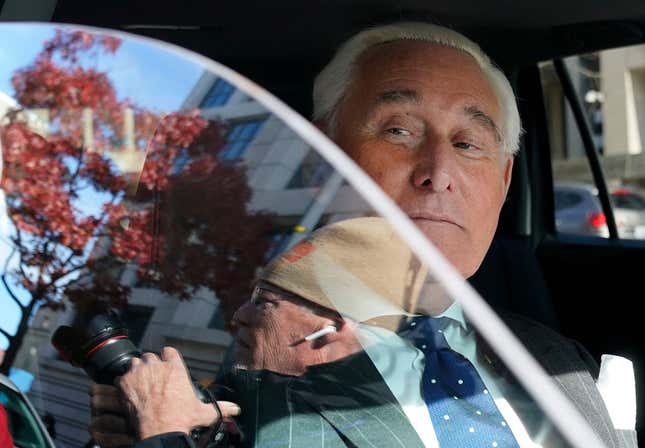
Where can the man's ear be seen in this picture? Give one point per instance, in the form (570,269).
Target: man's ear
(334,336)
(508,173)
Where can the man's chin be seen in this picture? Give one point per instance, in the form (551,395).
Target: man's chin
(453,242)
(440,231)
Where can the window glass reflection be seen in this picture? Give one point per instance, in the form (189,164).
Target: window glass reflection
(271,276)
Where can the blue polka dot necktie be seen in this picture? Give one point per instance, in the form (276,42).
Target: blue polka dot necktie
(462,411)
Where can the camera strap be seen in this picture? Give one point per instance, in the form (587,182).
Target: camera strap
(209,436)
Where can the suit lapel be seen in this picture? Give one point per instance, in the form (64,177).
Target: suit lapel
(562,361)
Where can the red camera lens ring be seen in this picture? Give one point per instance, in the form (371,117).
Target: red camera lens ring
(107,341)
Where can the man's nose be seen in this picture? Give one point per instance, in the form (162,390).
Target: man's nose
(434,168)
(243,315)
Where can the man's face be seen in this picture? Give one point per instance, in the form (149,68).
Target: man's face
(423,121)
(270,332)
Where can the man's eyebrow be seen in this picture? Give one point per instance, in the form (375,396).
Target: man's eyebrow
(476,114)
(398,96)
(392,97)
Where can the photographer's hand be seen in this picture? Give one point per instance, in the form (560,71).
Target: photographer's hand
(161,398)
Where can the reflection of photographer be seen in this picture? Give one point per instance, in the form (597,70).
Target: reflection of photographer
(277,332)
(155,395)
(299,353)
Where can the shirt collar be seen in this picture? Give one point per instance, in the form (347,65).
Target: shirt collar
(455,313)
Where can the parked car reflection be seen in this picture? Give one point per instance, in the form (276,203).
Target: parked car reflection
(578,211)
(629,210)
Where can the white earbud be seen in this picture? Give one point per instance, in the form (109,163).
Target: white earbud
(320,333)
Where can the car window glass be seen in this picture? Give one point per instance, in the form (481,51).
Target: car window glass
(564,199)
(577,208)
(609,85)
(189,213)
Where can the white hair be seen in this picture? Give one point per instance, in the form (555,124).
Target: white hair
(332,82)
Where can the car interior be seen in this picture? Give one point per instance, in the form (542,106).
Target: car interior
(587,288)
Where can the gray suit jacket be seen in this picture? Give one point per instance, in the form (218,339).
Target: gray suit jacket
(340,404)
(347,403)
(574,370)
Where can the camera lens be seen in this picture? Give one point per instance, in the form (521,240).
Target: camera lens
(101,348)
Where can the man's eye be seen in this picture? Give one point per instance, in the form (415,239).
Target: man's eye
(465,145)
(259,300)
(263,301)
(398,131)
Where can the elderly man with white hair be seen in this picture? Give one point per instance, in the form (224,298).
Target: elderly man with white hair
(425,113)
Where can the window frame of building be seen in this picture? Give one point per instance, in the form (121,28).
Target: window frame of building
(218,95)
(239,137)
(312,172)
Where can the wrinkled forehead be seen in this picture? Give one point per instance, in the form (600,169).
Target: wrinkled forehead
(400,51)
(385,61)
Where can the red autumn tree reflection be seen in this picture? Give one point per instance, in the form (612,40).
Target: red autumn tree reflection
(180,220)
